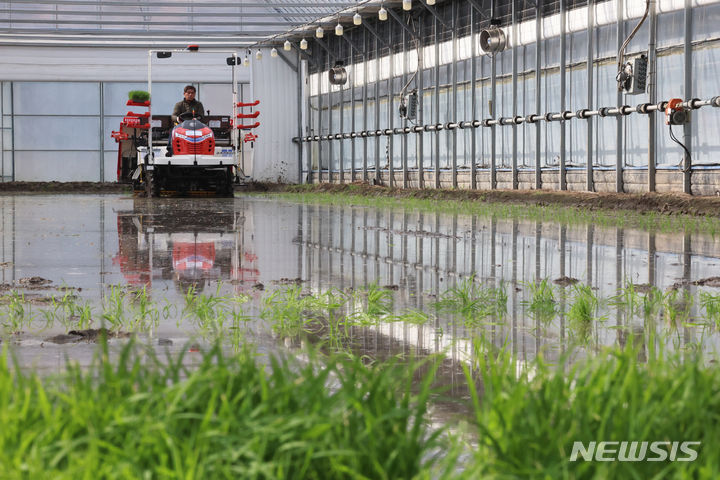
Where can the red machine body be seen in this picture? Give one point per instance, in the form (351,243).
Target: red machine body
(192,137)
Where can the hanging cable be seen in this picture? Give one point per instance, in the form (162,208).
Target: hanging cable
(684,167)
(621,68)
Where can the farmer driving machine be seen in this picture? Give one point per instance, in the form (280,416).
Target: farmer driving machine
(206,154)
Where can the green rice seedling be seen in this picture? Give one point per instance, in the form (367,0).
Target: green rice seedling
(472,303)
(369,306)
(412,317)
(542,305)
(114,309)
(582,313)
(676,306)
(16,314)
(238,416)
(288,310)
(711,304)
(528,424)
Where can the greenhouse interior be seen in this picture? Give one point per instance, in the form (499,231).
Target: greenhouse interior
(360,239)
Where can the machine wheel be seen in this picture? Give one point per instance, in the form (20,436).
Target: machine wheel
(152,186)
(225,188)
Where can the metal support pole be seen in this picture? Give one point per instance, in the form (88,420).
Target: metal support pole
(352,117)
(437,101)
(493,114)
(473,101)
(590,185)
(390,142)
(514,95)
(652,96)
(319,125)
(453,133)
(405,121)
(342,123)
(309,120)
(563,93)
(298,77)
(378,176)
(687,128)
(538,97)
(619,163)
(365,107)
(420,151)
(330,124)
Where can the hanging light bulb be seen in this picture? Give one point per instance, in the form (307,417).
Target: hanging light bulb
(319,32)
(246,61)
(382,14)
(303,44)
(407,5)
(357,19)
(258,54)
(287,46)
(430,2)
(274,52)
(339,29)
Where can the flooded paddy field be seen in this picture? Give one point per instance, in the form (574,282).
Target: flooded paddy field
(495,301)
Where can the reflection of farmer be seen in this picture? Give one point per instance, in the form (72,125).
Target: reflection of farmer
(188,106)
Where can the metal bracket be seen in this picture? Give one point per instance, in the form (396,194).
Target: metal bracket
(402,24)
(292,66)
(476,5)
(435,14)
(375,34)
(331,55)
(353,46)
(307,57)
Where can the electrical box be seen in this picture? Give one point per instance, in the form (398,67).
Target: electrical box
(409,106)
(636,79)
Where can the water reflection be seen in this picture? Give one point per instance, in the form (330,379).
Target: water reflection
(426,254)
(254,245)
(190,243)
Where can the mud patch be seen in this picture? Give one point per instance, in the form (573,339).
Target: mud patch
(91,335)
(565,281)
(708,282)
(288,281)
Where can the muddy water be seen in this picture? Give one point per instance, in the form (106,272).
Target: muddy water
(93,245)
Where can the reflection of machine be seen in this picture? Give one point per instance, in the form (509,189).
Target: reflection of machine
(189,243)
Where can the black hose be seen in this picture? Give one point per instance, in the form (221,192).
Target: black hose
(684,169)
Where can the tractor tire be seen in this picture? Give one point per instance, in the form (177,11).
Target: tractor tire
(152,185)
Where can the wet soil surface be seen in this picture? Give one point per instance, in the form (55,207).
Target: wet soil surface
(666,203)
(90,335)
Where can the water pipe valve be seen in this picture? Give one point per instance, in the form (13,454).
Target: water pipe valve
(675,112)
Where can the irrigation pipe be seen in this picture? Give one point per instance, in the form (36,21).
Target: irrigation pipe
(643,108)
